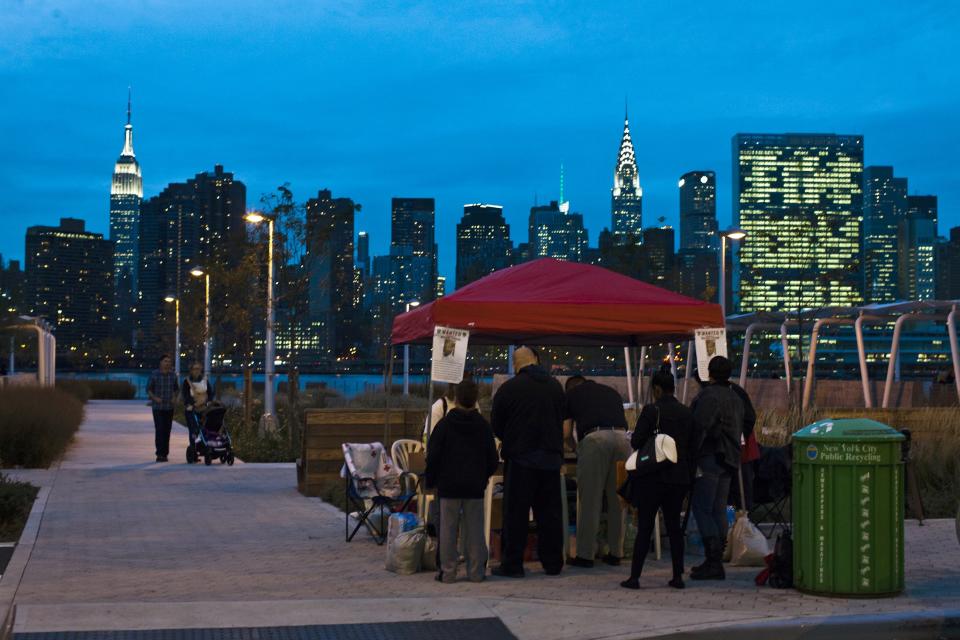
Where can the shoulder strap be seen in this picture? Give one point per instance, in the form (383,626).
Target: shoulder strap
(444,400)
(656,429)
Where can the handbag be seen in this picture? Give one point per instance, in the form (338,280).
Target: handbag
(655,451)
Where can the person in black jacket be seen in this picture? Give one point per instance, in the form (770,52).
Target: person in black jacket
(718,415)
(666,487)
(747,459)
(461,457)
(527,416)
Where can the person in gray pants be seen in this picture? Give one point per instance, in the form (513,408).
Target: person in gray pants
(461,457)
(596,411)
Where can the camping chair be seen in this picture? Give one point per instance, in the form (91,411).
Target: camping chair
(772,487)
(372,484)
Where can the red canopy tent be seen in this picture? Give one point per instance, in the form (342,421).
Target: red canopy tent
(555,302)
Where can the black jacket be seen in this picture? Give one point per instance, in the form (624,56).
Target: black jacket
(676,421)
(527,415)
(461,455)
(749,413)
(718,414)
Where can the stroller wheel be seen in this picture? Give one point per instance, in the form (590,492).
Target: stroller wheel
(207,460)
(223,458)
(229,459)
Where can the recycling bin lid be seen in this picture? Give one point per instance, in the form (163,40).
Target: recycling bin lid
(848,430)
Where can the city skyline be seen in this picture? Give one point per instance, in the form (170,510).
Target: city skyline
(504,153)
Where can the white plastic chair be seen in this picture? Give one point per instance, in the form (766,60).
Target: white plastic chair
(400,454)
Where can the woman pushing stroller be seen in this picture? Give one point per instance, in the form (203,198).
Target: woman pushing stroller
(196,393)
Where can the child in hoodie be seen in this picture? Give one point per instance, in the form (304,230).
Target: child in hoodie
(461,457)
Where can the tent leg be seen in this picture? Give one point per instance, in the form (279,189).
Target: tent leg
(672,360)
(641,367)
(406,369)
(688,371)
(388,391)
(626,361)
(510,351)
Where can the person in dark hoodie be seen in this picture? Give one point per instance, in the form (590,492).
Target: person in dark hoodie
(527,416)
(461,457)
(718,419)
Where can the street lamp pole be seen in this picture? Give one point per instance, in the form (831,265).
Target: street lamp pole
(197,272)
(176,339)
(732,234)
(269,408)
(406,355)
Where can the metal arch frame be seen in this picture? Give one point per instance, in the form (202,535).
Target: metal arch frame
(949,318)
(747,336)
(46,350)
(812,354)
(862,355)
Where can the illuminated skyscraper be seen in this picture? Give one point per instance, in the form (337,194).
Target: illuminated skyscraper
(556,233)
(917,249)
(698,210)
(483,242)
(627,201)
(658,243)
(413,236)
(948,266)
(799,197)
(363,253)
(126,193)
(884,206)
(69,282)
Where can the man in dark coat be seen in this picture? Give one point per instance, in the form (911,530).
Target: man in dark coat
(718,417)
(527,416)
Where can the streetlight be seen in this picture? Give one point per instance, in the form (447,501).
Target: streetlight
(406,354)
(731,234)
(197,272)
(176,356)
(268,403)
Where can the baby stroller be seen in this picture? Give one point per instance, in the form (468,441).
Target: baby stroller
(213,439)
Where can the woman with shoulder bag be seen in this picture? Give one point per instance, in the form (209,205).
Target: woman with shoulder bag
(664,485)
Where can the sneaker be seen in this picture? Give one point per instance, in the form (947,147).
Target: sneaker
(677,583)
(577,561)
(630,584)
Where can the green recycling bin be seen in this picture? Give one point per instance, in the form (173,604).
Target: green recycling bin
(848,508)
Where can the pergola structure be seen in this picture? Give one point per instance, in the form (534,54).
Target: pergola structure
(897,313)
(46,348)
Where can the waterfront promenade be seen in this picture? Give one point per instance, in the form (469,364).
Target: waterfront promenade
(128,544)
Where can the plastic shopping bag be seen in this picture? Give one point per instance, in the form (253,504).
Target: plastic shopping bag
(748,545)
(405,552)
(400,523)
(429,561)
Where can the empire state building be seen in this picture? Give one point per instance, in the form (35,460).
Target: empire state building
(126,192)
(627,203)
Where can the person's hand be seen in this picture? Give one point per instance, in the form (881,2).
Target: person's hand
(189,407)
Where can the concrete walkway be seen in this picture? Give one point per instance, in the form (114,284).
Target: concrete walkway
(126,543)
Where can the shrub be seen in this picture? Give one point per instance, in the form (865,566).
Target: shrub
(16,500)
(36,424)
(79,389)
(84,389)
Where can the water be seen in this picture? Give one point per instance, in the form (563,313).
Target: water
(347,384)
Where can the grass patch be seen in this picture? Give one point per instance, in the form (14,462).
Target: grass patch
(16,500)
(36,425)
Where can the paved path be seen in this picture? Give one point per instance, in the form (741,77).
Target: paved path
(126,543)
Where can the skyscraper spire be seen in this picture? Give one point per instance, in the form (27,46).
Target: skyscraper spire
(561,183)
(129,97)
(627,202)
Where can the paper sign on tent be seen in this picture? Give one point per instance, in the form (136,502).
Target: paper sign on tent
(449,354)
(711,342)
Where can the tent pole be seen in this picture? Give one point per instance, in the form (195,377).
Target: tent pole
(388,391)
(510,351)
(641,367)
(673,361)
(626,361)
(688,371)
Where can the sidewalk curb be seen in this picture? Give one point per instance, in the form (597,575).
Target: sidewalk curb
(906,625)
(10,583)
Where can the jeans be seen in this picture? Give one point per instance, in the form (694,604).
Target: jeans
(162,422)
(709,504)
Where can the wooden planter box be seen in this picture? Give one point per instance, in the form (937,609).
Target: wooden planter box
(327,429)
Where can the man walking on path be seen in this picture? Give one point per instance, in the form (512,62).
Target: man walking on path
(162,389)
(601,426)
(527,416)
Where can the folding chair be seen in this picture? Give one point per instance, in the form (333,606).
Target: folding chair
(372,484)
(772,488)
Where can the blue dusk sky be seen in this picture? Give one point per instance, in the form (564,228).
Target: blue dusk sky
(465,102)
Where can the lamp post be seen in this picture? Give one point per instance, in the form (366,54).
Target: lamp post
(406,354)
(197,272)
(269,347)
(732,234)
(176,356)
